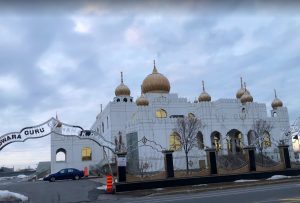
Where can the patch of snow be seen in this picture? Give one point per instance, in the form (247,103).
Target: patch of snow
(103,187)
(200,185)
(244,181)
(6,178)
(22,176)
(159,189)
(6,196)
(278,177)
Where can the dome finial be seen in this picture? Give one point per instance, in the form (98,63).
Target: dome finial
(245,86)
(241,82)
(121,77)
(154,67)
(203,87)
(275,93)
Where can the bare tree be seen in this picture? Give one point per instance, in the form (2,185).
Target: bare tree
(119,144)
(261,127)
(187,128)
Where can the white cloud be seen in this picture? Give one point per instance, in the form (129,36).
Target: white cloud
(10,85)
(55,63)
(82,25)
(133,36)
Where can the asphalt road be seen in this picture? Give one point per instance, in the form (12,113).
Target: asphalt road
(70,191)
(287,192)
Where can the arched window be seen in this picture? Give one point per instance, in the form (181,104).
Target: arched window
(175,142)
(61,155)
(191,115)
(274,114)
(200,140)
(267,140)
(102,127)
(86,154)
(125,100)
(107,122)
(118,100)
(161,113)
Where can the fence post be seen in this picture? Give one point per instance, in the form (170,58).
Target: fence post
(285,155)
(168,159)
(121,162)
(250,157)
(212,160)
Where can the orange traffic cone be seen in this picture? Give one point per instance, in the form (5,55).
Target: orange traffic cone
(109,184)
(86,172)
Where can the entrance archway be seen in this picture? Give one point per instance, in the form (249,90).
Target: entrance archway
(215,139)
(234,141)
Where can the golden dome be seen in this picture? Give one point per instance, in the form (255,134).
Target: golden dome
(122,89)
(276,102)
(246,96)
(204,96)
(241,91)
(142,100)
(156,83)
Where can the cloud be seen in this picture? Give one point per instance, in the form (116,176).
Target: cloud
(67,58)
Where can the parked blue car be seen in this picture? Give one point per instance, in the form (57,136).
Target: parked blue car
(67,173)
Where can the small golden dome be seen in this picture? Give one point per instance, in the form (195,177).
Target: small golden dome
(241,91)
(204,96)
(246,96)
(142,100)
(276,102)
(122,89)
(156,83)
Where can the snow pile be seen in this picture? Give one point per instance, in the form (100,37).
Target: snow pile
(6,178)
(278,177)
(6,196)
(103,187)
(244,181)
(200,185)
(22,176)
(159,189)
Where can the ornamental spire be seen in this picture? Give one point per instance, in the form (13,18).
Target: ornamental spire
(121,77)
(241,82)
(275,93)
(203,87)
(154,67)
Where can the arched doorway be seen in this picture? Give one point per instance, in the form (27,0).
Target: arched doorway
(234,141)
(215,139)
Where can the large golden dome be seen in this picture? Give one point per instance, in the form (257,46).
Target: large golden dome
(122,89)
(204,96)
(156,83)
(276,102)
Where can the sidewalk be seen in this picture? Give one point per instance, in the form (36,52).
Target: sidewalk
(204,187)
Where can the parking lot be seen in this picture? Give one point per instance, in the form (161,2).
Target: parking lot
(84,190)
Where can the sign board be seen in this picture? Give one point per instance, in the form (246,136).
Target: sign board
(54,126)
(121,161)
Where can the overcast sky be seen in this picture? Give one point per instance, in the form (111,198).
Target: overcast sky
(67,58)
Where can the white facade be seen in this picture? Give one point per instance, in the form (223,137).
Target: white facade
(123,116)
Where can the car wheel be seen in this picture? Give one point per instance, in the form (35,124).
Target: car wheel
(52,179)
(76,177)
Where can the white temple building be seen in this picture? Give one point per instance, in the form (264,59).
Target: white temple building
(227,125)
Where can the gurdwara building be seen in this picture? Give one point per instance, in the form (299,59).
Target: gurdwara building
(145,126)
